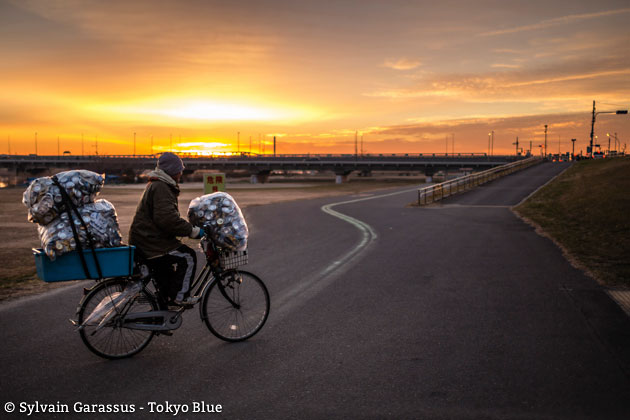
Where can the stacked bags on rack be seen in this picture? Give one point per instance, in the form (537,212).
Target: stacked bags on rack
(46,207)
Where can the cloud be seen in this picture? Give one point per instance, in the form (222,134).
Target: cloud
(564,83)
(563,20)
(567,78)
(402,64)
(506,66)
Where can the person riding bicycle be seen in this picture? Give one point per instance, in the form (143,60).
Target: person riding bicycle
(156,227)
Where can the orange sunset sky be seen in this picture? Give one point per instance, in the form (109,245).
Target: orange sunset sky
(409,76)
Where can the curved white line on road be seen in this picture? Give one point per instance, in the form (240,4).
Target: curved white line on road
(316,282)
(368,235)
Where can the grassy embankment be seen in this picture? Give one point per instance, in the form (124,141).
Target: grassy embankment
(587,211)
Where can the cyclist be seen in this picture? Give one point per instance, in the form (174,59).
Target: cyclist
(156,227)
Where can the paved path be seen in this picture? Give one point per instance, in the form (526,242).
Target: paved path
(460,311)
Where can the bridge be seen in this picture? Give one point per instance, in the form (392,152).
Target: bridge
(260,166)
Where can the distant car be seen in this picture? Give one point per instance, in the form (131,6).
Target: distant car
(598,155)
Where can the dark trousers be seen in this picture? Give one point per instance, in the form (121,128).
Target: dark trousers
(175,272)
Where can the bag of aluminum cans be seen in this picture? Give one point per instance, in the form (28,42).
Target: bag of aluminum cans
(99,217)
(43,198)
(219,215)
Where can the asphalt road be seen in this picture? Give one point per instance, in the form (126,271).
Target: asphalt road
(379,310)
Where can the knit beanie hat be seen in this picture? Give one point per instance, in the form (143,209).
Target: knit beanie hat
(170,163)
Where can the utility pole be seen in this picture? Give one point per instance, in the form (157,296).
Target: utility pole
(590,149)
(274,146)
(618,112)
(530,147)
(516,145)
(545,139)
(361,144)
(616,140)
(573,148)
(488,144)
(492,148)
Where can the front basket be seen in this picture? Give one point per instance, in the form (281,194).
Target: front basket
(233,259)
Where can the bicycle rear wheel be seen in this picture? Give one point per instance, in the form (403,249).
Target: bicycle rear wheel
(112,340)
(235,306)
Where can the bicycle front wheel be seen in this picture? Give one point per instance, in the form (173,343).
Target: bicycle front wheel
(110,338)
(235,306)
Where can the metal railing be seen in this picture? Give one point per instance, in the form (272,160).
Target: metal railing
(445,189)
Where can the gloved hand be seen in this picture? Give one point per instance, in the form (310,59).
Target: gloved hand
(197,233)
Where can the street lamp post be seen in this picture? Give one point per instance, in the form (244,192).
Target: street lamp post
(545,140)
(489,144)
(615,145)
(618,112)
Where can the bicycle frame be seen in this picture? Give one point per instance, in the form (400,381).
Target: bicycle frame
(210,273)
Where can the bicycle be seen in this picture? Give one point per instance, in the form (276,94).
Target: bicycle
(118,317)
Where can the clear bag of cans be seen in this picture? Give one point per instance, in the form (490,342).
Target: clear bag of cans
(221,218)
(45,207)
(43,198)
(99,217)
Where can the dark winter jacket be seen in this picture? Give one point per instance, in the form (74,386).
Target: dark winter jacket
(157,222)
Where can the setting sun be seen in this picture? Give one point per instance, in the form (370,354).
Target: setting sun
(85,77)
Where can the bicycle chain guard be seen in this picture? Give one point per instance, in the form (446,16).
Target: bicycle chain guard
(159,321)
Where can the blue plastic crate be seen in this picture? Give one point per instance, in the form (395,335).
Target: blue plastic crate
(114,262)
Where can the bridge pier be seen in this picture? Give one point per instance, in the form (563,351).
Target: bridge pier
(342,176)
(428,173)
(260,177)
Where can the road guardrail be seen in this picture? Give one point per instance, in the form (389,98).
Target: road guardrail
(445,189)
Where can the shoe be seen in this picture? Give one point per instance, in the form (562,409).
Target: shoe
(189,301)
